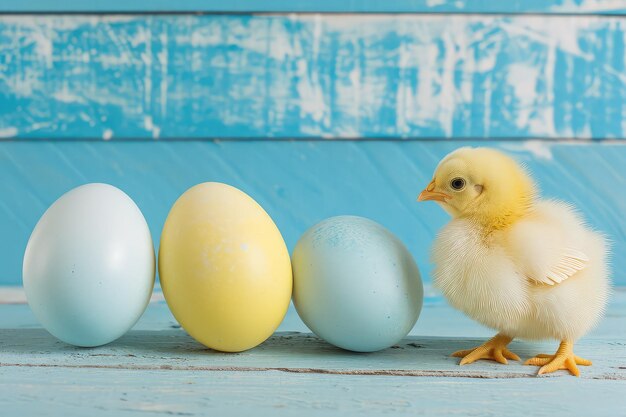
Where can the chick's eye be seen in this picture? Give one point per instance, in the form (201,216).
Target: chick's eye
(457,184)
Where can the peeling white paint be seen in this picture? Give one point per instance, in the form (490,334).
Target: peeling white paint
(162,57)
(147,123)
(588,5)
(523,79)
(561,33)
(539,149)
(41,37)
(317,75)
(8,132)
(66,96)
(309,90)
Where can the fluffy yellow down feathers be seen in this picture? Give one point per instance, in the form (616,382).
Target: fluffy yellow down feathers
(526,267)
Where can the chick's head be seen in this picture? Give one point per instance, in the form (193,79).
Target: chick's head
(483,185)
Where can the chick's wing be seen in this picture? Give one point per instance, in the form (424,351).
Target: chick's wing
(544,251)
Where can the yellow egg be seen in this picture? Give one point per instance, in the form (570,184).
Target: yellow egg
(224,268)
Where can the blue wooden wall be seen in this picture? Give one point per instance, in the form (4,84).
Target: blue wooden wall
(601,7)
(299,183)
(304,76)
(155,103)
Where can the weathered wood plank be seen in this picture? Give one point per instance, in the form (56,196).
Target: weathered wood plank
(156,369)
(295,353)
(298,76)
(104,392)
(326,6)
(425,353)
(299,183)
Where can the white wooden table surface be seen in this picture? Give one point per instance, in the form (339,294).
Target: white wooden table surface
(157,369)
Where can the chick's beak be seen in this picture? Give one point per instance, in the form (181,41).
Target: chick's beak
(430,194)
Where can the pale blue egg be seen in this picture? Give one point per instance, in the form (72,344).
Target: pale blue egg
(355,284)
(89,266)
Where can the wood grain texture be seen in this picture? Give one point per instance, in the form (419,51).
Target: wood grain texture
(326,6)
(103,392)
(157,369)
(302,76)
(294,353)
(157,342)
(299,183)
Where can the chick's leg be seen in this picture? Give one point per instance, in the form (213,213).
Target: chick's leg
(494,349)
(563,359)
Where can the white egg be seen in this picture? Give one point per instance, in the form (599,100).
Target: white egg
(89,266)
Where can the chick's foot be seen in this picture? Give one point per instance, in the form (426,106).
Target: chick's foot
(494,349)
(563,359)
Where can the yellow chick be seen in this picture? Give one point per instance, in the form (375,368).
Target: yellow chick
(526,267)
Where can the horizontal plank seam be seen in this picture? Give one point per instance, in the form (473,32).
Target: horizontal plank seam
(352,372)
(618,140)
(277,12)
